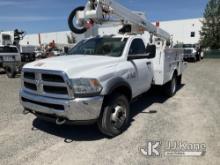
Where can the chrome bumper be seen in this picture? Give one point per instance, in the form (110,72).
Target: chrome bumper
(78,109)
(189,55)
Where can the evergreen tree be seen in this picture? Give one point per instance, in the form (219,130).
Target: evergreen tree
(210,34)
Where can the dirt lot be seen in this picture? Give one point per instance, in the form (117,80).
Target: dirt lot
(193,115)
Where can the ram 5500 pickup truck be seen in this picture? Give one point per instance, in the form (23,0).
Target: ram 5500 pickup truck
(98,79)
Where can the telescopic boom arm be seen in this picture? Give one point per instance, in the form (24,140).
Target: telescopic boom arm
(103,11)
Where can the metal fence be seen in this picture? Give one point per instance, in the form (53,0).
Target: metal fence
(212,54)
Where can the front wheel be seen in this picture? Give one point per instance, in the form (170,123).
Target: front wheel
(11,72)
(115,115)
(74,25)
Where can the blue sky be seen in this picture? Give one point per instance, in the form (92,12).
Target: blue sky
(36,16)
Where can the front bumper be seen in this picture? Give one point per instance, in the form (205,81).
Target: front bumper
(189,56)
(78,109)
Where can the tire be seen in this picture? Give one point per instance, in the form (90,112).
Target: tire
(179,80)
(194,59)
(199,58)
(171,86)
(115,115)
(11,72)
(70,21)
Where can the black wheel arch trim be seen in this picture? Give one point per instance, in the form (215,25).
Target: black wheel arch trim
(115,83)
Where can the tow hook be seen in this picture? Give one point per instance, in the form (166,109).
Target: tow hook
(25,112)
(60,121)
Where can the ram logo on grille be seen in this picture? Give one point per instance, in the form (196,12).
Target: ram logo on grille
(38,83)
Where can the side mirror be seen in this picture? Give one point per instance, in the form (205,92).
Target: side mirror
(66,49)
(168,43)
(151,51)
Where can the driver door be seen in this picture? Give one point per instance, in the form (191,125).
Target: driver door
(142,67)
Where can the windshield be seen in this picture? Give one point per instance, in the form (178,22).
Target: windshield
(7,49)
(106,46)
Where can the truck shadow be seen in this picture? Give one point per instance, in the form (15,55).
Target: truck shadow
(68,132)
(91,132)
(154,95)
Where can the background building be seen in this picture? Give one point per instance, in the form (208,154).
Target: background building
(46,38)
(186,31)
(182,31)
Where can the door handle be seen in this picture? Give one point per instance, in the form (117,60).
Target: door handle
(148,63)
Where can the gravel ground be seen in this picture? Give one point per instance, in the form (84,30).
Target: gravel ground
(192,115)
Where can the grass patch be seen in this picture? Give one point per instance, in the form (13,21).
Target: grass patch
(212,54)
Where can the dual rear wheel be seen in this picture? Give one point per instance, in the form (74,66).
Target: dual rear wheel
(171,87)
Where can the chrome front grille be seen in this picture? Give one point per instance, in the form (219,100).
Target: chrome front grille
(52,78)
(187,51)
(52,83)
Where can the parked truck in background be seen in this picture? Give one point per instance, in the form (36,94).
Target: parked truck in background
(27,53)
(10,59)
(13,55)
(192,52)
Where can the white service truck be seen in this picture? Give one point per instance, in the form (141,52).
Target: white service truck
(10,59)
(13,55)
(100,77)
(192,52)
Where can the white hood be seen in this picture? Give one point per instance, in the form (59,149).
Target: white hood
(76,65)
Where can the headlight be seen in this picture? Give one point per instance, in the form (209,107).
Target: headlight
(84,87)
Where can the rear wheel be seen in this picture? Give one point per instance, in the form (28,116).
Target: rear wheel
(179,80)
(170,87)
(194,59)
(115,116)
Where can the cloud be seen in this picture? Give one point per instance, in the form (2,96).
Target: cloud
(21,3)
(28,18)
(9,2)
